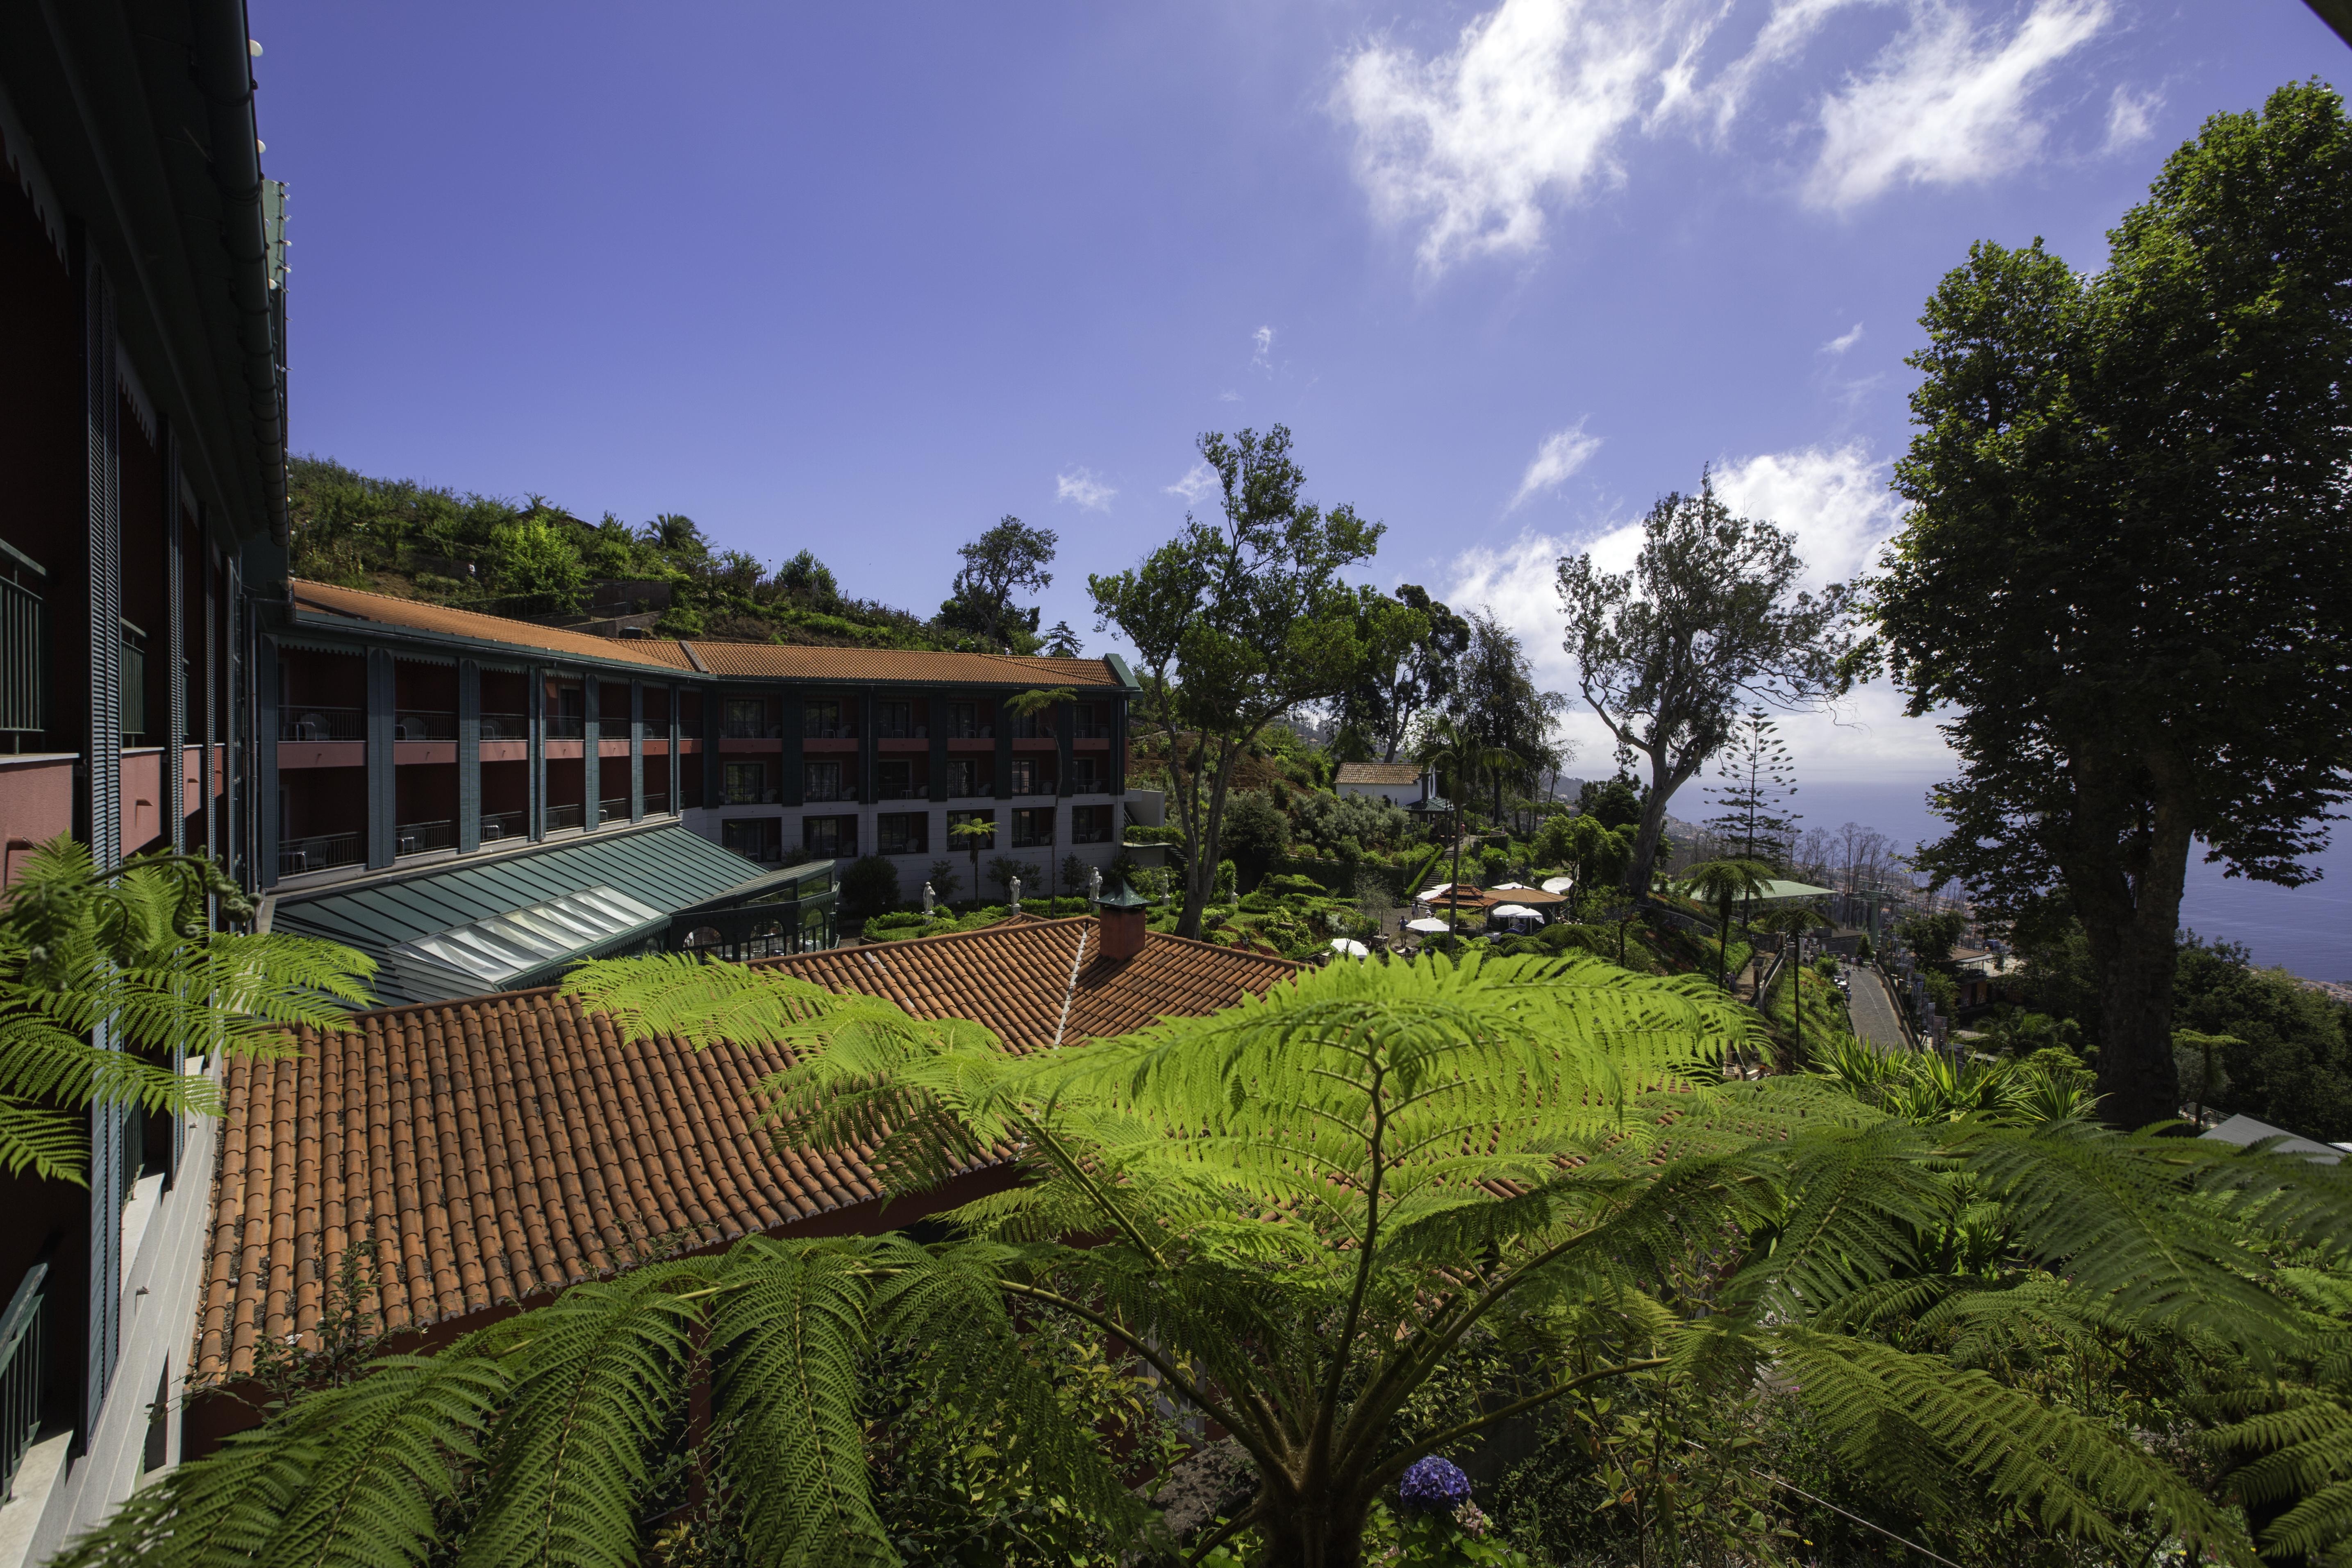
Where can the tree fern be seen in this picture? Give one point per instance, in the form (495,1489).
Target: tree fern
(128,951)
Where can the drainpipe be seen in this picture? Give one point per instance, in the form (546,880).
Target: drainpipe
(224,74)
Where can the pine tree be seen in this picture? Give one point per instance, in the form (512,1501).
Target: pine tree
(1759,777)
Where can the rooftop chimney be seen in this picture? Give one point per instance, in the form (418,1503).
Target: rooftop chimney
(1122,915)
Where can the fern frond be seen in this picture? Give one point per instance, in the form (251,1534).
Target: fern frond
(599,1377)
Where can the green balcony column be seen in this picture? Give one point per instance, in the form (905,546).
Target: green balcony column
(535,722)
(1004,727)
(592,765)
(940,705)
(1065,723)
(637,751)
(382,779)
(868,748)
(790,751)
(469,756)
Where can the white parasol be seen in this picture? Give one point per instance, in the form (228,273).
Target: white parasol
(1513,912)
(1433,927)
(1559,884)
(1348,947)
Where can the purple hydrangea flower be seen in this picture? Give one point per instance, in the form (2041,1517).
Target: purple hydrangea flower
(1433,1485)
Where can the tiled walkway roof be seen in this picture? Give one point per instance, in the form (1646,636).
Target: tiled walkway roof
(1379,774)
(359,604)
(765,661)
(502,1147)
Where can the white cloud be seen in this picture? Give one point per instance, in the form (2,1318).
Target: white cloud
(1199,480)
(1783,37)
(1562,453)
(1229,397)
(1947,104)
(1524,109)
(1262,350)
(1834,499)
(2131,118)
(1842,342)
(1085,487)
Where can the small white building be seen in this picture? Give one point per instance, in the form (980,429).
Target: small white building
(1400,783)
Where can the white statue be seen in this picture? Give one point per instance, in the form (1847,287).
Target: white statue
(1094,883)
(927,900)
(1014,886)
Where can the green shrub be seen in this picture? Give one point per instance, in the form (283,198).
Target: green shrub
(869,886)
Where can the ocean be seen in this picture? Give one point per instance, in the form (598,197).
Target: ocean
(2307,931)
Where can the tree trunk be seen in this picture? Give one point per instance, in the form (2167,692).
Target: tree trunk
(2125,881)
(1201,882)
(1316,1534)
(1663,785)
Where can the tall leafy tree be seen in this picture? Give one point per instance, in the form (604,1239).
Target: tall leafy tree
(1412,661)
(1495,697)
(1234,624)
(1009,558)
(1752,801)
(1711,615)
(1380,1213)
(2122,574)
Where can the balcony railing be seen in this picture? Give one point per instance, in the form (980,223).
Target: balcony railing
(1083,731)
(21,1339)
(24,656)
(566,815)
(567,727)
(902,791)
(817,791)
(421,837)
(502,825)
(506,727)
(747,796)
(963,731)
(815,732)
(749,730)
(415,725)
(302,721)
(902,732)
(616,810)
(318,852)
(657,803)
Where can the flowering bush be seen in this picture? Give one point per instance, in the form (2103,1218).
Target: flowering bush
(1432,1485)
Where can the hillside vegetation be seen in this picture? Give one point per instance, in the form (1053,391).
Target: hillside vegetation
(534,561)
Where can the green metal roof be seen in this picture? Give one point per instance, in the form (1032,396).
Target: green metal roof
(1778,888)
(519,920)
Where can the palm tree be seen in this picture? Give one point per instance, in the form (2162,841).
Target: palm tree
(1791,921)
(977,834)
(1448,745)
(1719,884)
(1369,1217)
(104,975)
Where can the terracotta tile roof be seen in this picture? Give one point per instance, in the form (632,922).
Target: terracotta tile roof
(1388,773)
(779,661)
(766,661)
(356,603)
(502,1147)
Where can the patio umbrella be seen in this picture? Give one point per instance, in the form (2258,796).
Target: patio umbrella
(1432,927)
(1559,884)
(1426,894)
(1348,947)
(1513,912)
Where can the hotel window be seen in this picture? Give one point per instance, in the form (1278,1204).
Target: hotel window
(755,837)
(894,781)
(903,833)
(964,722)
(965,779)
(1085,775)
(1030,726)
(821,719)
(1084,725)
(958,819)
(1029,776)
(895,720)
(1033,828)
(745,718)
(746,783)
(833,836)
(1090,824)
(821,781)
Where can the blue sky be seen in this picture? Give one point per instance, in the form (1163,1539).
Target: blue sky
(860,279)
